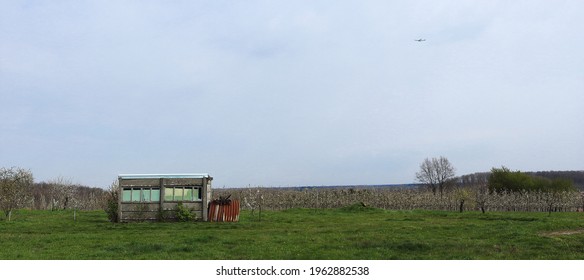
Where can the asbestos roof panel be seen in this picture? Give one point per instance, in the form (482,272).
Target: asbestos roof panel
(170,176)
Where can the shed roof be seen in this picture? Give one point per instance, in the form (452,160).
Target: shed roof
(170,176)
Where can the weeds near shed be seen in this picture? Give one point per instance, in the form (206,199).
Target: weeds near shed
(111,204)
(183,213)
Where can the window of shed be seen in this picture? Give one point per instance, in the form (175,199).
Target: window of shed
(146,195)
(135,194)
(178,194)
(155,195)
(182,193)
(168,194)
(127,195)
(141,195)
(188,194)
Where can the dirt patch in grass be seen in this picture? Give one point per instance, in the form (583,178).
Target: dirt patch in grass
(562,232)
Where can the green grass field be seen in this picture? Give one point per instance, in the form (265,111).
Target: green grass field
(349,233)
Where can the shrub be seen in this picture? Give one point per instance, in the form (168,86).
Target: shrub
(183,213)
(111,203)
(504,180)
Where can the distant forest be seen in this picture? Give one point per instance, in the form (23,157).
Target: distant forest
(577,177)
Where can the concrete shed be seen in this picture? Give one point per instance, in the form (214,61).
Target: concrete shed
(155,197)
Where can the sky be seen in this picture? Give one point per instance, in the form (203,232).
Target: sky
(289,93)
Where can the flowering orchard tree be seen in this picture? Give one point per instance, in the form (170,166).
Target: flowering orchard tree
(14,185)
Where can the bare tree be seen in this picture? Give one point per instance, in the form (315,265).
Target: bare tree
(436,173)
(14,185)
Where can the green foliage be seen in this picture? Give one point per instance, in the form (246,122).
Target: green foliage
(111,209)
(562,185)
(183,213)
(164,215)
(504,180)
(462,195)
(111,203)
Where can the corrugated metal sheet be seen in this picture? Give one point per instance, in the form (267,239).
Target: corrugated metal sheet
(169,176)
(220,211)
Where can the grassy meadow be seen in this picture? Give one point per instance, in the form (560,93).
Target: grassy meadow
(345,233)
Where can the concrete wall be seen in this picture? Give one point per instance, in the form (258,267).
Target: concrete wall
(162,210)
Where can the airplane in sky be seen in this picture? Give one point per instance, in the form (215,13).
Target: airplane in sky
(420,40)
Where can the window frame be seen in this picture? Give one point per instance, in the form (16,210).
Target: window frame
(140,191)
(195,191)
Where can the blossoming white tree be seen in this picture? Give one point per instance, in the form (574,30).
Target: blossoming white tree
(14,185)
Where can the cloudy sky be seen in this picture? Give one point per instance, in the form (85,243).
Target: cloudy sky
(286,93)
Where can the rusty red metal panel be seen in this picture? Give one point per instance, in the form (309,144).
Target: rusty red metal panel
(224,211)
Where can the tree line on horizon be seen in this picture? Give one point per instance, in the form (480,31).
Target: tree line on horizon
(576,178)
(550,188)
(19,191)
(438,175)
